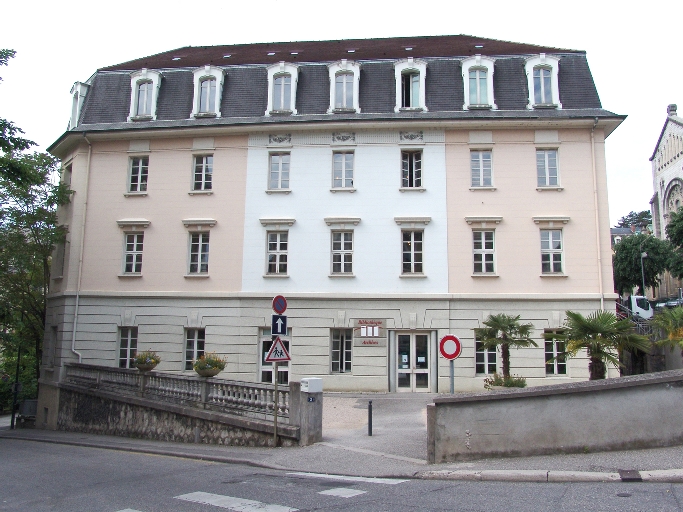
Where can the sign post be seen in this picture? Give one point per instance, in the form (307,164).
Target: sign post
(278,326)
(450,348)
(277,353)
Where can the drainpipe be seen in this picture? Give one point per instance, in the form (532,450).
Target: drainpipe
(80,255)
(597,215)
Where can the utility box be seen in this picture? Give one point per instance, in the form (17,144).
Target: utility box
(312,385)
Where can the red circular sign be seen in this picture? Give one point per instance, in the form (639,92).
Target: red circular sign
(450,346)
(279,304)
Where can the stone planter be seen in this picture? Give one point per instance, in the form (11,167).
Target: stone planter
(208,372)
(145,367)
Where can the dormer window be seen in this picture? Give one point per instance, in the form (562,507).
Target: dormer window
(282,81)
(144,86)
(344,81)
(477,73)
(208,89)
(78,91)
(542,73)
(410,84)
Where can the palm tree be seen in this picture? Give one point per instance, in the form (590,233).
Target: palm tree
(603,336)
(670,323)
(506,331)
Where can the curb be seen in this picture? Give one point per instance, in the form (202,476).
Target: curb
(660,476)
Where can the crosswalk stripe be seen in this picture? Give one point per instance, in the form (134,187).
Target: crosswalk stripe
(372,480)
(342,492)
(232,503)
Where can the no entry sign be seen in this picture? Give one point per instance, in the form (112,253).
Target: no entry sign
(450,346)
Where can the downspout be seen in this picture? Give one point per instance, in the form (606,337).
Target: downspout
(597,216)
(80,255)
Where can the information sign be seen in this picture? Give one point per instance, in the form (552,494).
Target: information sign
(277,353)
(278,325)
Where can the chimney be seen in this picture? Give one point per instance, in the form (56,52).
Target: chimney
(671,109)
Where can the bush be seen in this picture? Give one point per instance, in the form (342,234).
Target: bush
(510,382)
(209,361)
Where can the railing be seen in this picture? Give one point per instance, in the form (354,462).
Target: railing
(233,397)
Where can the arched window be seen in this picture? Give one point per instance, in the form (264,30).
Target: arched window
(144,85)
(410,75)
(478,93)
(543,82)
(343,89)
(282,92)
(282,82)
(542,86)
(208,89)
(207,95)
(144,98)
(344,81)
(410,89)
(477,73)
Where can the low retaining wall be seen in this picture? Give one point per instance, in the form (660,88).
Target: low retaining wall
(640,411)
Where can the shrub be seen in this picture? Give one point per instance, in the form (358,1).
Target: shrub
(507,382)
(209,361)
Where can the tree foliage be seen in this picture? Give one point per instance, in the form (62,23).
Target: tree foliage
(669,325)
(504,331)
(603,336)
(626,262)
(638,219)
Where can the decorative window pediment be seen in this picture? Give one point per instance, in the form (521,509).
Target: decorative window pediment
(282,81)
(477,74)
(542,72)
(484,220)
(342,222)
(550,220)
(412,221)
(410,84)
(144,86)
(133,224)
(208,91)
(198,224)
(344,86)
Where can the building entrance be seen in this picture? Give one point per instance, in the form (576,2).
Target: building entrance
(413,358)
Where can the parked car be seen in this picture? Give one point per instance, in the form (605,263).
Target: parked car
(674,303)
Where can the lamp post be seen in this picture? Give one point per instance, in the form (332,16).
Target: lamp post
(643,255)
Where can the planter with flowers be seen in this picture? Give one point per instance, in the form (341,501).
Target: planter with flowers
(209,365)
(146,360)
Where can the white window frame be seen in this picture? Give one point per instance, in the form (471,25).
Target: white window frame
(130,338)
(489,359)
(194,337)
(488,255)
(344,254)
(205,184)
(282,68)
(136,253)
(341,351)
(473,64)
(553,353)
(480,168)
(405,185)
(548,62)
(552,251)
(265,337)
(415,267)
(343,170)
(202,256)
(78,93)
(134,170)
(410,65)
(280,171)
(546,168)
(278,253)
(344,66)
(144,75)
(206,73)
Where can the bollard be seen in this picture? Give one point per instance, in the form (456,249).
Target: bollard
(370,417)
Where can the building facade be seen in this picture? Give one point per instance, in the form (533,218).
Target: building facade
(393,190)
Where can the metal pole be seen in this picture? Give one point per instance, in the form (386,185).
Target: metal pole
(452,368)
(370,417)
(16,388)
(276,404)
(642,270)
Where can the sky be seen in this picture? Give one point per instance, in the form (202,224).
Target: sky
(634,53)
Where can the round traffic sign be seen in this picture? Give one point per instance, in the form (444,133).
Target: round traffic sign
(279,304)
(450,346)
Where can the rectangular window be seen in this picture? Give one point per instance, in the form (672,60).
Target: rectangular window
(546,167)
(194,346)
(343,90)
(485,359)
(144,105)
(277,252)
(342,252)
(267,368)
(478,89)
(282,91)
(410,90)
(412,251)
(342,343)
(555,360)
(411,166)
(480,165)
(207,95)
(342,175)
(542,86)
(484,251)
(279,171)
(133,253)
(138,174)
(551,251)
(199,253)
(128,346)
(203,172)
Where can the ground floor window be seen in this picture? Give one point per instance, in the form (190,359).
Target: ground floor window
(266,369)
(485,359)
(128,346)
(555,360)
(194,346)
(342,341)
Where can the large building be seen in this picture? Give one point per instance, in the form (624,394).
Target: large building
(393,190)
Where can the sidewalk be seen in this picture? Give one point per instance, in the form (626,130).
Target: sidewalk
(397,448)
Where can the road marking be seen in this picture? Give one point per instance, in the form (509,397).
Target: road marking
(128,510)
(342,492)
(232,503)
(371,452)
(388,481)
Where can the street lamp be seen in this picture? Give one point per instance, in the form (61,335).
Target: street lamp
(642,270)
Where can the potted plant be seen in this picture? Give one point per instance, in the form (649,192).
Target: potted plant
(146,360)
(209,364)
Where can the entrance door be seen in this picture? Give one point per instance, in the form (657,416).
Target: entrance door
(413,362)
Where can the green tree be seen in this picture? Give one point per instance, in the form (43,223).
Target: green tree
(504,331)
(669,324)
(626,262)
(674,229)
(603,336)
(638,219)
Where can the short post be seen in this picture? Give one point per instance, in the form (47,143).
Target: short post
(276,404)
(370,417)
(15,389)
(452,368)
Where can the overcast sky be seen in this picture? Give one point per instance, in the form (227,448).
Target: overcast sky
(634,53)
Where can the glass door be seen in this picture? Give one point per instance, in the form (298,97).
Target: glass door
(413,362)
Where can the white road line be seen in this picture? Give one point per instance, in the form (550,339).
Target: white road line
(231,503)
(388,481)
(342,492)
(128,510)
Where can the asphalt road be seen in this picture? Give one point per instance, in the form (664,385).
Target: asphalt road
(42,477)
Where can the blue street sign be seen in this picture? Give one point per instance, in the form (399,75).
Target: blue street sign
(279,325)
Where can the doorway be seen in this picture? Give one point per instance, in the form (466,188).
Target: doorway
(413,359)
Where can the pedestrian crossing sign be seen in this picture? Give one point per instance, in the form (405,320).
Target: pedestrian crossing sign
(277,352)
